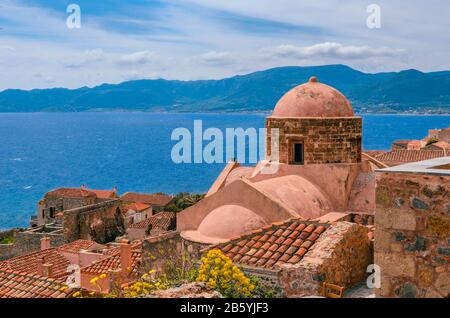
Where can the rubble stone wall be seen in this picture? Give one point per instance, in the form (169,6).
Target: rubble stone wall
(101,222)
(30,241)
(412,235)
(162,253)
(340,256)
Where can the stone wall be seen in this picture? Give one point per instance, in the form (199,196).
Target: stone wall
(162,253)
(340,256)
(6,250)
(268,278)
(30,241)
(101,222)
(412,234)
(325,140)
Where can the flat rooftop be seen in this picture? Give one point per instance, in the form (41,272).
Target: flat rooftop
(437,166)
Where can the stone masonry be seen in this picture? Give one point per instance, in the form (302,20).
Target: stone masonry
(325,140)
(412,234)
(101,222)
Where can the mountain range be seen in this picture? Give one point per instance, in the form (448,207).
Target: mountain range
(409,91)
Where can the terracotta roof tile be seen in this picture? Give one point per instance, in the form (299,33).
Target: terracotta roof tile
(287,242)
(160,221)
(152,199)
(406,156)
(113,262)
(29,263)
(14,284)
(137,206)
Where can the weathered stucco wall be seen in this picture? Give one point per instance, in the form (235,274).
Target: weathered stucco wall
(325,140)
(412,234)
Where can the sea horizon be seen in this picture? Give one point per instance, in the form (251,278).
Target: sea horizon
(101,150)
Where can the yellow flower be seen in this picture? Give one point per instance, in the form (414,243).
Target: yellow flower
(102,276)
(76,294)
(93,280)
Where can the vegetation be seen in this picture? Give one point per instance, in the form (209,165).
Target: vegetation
(218,272)
(183,201)
(432,141)
(7,240)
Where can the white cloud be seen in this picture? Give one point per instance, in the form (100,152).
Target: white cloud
(217,58)
(211,40)
(329,50)
(138,58)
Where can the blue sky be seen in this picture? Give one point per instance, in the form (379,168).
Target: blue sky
(202,39)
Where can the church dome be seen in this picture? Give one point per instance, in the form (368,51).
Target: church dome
(313,99)
(225,222)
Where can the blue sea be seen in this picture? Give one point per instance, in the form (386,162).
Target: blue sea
(43,151)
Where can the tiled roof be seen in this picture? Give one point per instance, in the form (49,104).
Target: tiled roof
(138,207)
(274,245)
(76,246)
(405,156)
(441,144)
(113,262)
(71,192)
(104,194)
(374,153)
(160,221)
(402,142)
(82,192)
(28,263)
(155,199)
(15,284)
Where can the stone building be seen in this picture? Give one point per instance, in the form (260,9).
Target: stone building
(412,229)
(316,126)
(320,171)
(295,257)
(321,177)
(63,199)
(154,225)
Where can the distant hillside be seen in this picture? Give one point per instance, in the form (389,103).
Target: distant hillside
(408,91)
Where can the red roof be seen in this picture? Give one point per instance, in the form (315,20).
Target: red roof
(28,263)
(70,193)
(274,245)
(138,207)
(405,156)
(161,221)
(113,262)
(153,199)
(15,284)
(82,192)
(77,246)
(105,194)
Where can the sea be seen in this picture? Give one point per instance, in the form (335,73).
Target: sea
(131,150)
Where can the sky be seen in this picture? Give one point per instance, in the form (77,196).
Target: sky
(212,39)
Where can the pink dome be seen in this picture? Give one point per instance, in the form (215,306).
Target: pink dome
(225,222)
(313,99)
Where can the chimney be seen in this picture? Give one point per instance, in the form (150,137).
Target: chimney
(125,257)
(44,269)
(45,243)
